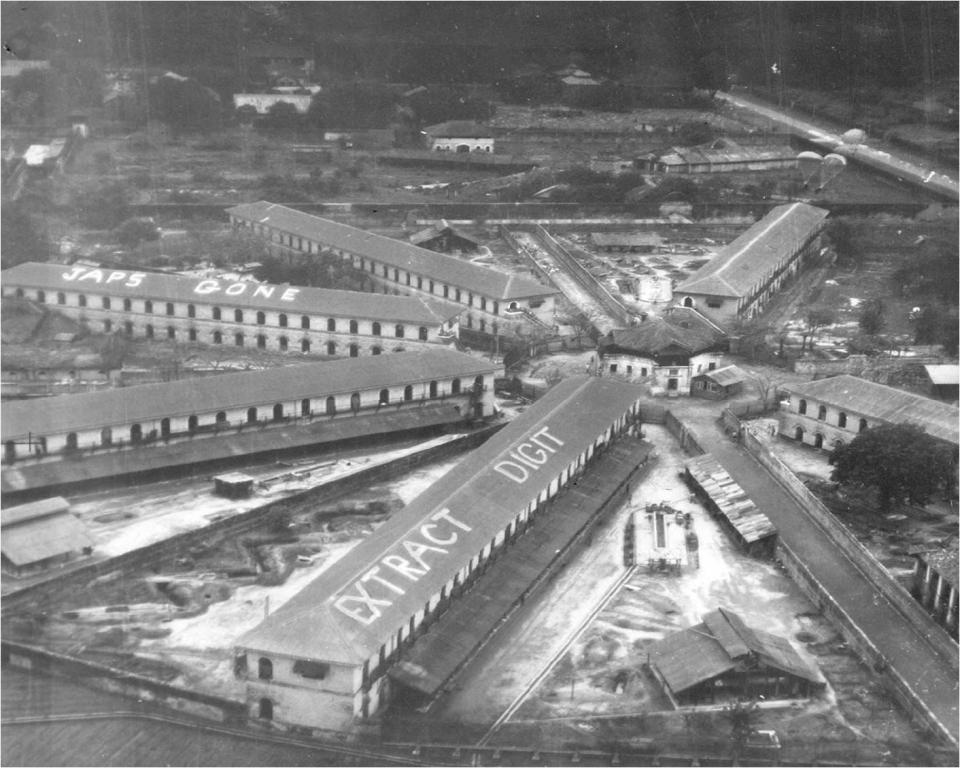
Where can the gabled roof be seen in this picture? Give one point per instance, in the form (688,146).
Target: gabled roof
(41,538)
(474,493)
(725,376)
(893,406)
(680,327)
(459,129)
(741,264)
(285,384)
(943,375)
(386,250)
(425,235)
(702,652)
(158,286)
(55,505)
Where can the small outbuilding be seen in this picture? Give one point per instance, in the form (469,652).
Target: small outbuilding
(943,382)
(41,534)
(233,485)
(722,659)
(718,384)
(459,136)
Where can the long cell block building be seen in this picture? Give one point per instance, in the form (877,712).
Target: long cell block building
(309,394)
(738,282)
(236,313)
(487,300)
(325,656)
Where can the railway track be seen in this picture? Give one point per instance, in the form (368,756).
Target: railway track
(554,660)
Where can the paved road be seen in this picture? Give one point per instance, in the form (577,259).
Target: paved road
(897,639)
(922,176)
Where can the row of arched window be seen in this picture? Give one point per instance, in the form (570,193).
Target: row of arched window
(449,292)
(822,416)
(278,413)
(283,321)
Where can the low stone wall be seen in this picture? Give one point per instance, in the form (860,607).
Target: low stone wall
(860,643)
(106,678)
(855,551)
(181,543)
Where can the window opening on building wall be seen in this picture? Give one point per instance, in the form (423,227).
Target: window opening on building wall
(265,669)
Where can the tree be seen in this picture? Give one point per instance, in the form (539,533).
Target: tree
(900,461)
(23,235)
(871,317)
(741,715)
(815,320)
(765,383)
(185,105)
(846,247)
(133,231)
(753,338)
(282,118)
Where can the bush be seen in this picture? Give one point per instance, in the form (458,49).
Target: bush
(134,231)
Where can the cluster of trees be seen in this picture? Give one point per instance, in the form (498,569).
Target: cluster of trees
(900,462)
(185,105)
(39,95)
(23,233)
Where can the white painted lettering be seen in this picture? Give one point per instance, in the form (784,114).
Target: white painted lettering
(371,604)
(444,514)
(73,274)
(513,455)
(425,532)
(544,432)
(135,279)
(402,566)
(506,468)
(235,289)
(371,575)
(290,294)
(115,277)
(416,550)
(207,286)
(264,290)
(93,274)
(540,457)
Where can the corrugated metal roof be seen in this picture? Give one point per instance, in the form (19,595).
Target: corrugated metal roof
(386,250)
(43,508)
(475,494)
(704,651)
(743,263)
(151,402)
(162,287)
(725,376)
(885,403)
(700,156)
(730,498)
(943,375)
(41,539)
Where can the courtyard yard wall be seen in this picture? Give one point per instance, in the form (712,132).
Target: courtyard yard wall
(860,643)
(879,576)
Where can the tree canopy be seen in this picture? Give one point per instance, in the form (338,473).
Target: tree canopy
(900,461)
